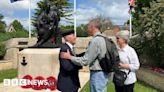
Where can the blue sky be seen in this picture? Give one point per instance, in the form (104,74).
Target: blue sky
(117,10)
(17,10)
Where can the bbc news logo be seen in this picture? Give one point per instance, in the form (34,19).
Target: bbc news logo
(24,82)
(37,83)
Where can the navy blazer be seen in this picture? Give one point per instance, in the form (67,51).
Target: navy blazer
(68,79)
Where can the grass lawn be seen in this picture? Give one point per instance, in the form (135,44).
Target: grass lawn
(8,74)
(139,87)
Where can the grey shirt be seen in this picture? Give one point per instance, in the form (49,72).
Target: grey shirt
(96,49)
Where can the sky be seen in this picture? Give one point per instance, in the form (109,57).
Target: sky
(116,10)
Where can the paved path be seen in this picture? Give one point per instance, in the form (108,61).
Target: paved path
(84,77)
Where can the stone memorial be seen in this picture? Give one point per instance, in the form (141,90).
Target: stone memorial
(49,34)
(40,62)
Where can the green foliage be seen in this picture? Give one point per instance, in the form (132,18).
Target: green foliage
(7,36)
(2,27)
(18,34)
(18,26)
(2,24)
(82,31)
(8,74)
(139,4)
(150,27)
(64,28)
(105,24)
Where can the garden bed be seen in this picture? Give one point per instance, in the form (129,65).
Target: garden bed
(151,77)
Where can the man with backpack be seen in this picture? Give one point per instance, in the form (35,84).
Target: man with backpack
(95,52)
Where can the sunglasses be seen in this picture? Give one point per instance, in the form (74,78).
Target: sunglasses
(117,38)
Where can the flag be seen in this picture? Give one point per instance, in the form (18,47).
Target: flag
(12,1)
(132,2)
(131,6)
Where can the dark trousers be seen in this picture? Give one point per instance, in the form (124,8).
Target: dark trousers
(70,91)
(125,88)
(74,90)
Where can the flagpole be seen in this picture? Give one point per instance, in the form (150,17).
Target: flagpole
(75,17)
(29,11)
(131,5)
(130,24)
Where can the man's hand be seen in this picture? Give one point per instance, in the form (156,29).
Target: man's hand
(65,55)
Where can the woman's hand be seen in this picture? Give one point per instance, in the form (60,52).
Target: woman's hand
(123,66)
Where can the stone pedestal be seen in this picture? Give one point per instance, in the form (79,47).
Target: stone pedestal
(40,62)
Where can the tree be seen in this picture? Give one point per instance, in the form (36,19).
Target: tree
(106,23)
(67,27)
(82,30)
(20,30)
(139,5)
(18,26)
(2,24)
(151,31)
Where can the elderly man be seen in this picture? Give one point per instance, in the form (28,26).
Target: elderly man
(68,79)
(96,51)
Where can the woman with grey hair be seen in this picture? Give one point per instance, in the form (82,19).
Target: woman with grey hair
(129,62)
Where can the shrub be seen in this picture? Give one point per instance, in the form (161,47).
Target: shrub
(150,28)
(149,51)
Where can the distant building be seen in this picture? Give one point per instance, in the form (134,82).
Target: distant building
(110,32)
(10,28)
(123,27)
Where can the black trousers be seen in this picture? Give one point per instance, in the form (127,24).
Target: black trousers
(71,90)
(125,88)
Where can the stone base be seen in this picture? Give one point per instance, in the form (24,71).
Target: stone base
(40,62)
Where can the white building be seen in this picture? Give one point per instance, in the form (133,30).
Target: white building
(10,28)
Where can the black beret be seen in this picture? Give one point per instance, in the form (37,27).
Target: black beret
(68,32)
